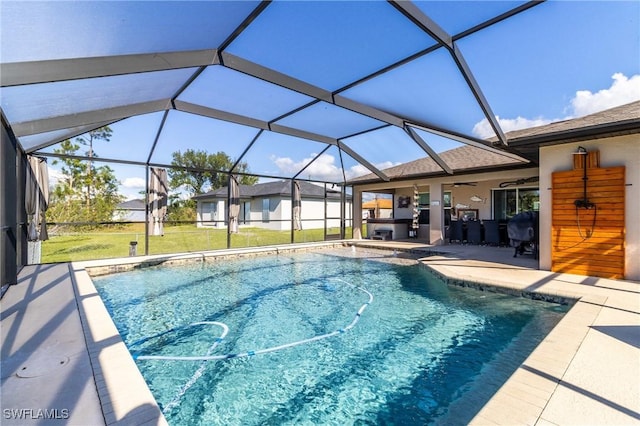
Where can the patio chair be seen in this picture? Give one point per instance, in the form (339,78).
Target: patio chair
(455,231)
(474,235)
(491,232)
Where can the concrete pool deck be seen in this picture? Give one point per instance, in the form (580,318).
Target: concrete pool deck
(63,361)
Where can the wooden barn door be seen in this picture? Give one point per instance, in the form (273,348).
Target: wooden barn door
(588,235)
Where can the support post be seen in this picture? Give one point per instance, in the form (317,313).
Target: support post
(436,214)
(146,215)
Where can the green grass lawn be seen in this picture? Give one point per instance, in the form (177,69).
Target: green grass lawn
(112,242)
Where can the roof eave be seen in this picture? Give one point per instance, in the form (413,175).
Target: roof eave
(598,131)
(441,174)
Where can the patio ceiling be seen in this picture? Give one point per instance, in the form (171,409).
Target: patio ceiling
(295,81)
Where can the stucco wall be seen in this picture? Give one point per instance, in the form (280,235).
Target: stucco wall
(204,217)
(617,151)
(312,214)
(403,213)
(486,181)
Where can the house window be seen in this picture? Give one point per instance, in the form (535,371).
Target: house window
(213,210)
(509,202)
(265,209)
(245,214)
(424,203)
(209,211)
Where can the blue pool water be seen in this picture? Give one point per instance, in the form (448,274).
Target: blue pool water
(382,342)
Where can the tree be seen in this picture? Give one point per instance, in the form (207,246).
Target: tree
(197,170)
(180,210)
(86,193)
(104,134)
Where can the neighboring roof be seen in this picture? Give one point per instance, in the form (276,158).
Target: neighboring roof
(380,203)
(267,189)
(624,119)
(132,205)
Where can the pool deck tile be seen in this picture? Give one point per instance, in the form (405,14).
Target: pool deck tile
(40,328)
(586,371)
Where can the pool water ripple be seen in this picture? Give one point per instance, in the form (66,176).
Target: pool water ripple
(417,350)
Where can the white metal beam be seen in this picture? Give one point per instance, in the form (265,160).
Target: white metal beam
(477,92)
(364,162)
(468,141)
(302,134)
(263,73)
(88,118)
(71,133)
(368,111)
(412,12)
(220,115)
(425,146)
(291,83)
(428,25)
(20,73)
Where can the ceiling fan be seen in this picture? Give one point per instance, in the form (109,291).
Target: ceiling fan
(459,184)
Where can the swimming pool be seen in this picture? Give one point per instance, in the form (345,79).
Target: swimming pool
(319,338)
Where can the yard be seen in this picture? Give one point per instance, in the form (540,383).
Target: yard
(115,240)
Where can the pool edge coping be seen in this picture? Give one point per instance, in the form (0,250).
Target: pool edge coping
(125,397)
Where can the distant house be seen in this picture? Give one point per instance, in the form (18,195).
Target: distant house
(130,211)
(268,205)
(378,208)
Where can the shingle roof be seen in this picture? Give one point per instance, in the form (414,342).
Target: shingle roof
(132,205)
(381,203)
(281,188)
(619,120)
(465,158)
(628,113)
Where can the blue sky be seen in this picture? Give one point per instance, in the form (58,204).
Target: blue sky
(560,60)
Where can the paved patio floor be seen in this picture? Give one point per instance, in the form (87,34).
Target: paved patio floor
(63,361)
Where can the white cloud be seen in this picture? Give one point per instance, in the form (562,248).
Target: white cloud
(134,183)
(55,176)
(360,170)
(323,168)
(287,165)
(483,129)
(132,188)
(623,90)
(357,170)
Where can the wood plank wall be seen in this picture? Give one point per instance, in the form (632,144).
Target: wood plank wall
(589,241)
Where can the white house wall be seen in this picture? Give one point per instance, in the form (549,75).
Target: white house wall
(616,151)
(129,215)
(203,217)
(312,214)
(276,216)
